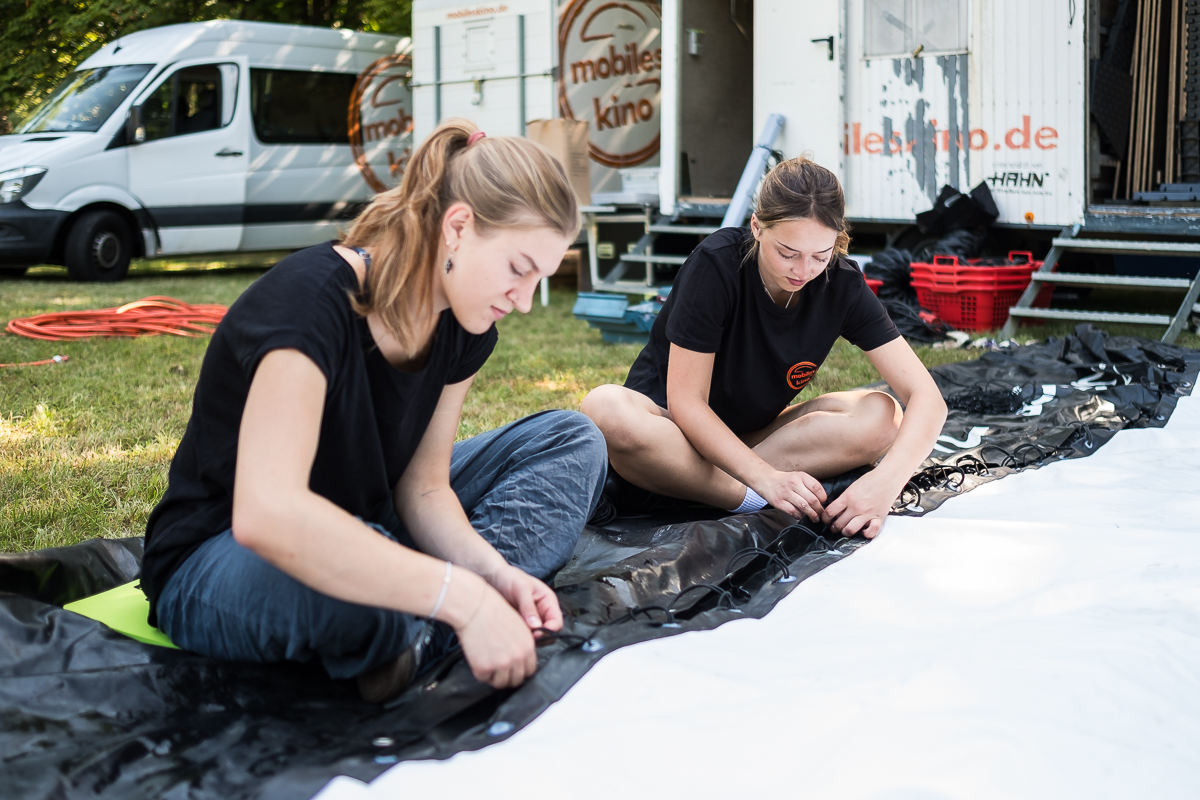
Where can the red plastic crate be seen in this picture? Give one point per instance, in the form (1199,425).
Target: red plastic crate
(952,267)
(971,296)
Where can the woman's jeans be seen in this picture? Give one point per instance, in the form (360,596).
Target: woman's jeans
(528,489)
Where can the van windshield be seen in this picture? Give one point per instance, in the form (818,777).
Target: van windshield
(86,99)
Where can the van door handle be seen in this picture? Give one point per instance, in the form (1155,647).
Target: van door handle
(227,153)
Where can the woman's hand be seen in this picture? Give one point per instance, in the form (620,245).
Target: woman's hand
(534,601)
(864,505)
(497,643)
(795,493)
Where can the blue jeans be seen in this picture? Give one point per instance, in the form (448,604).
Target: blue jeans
(528,489)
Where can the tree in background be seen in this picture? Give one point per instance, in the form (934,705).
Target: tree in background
(43,40)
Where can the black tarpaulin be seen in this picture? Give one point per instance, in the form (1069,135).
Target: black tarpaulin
(88,713)
(1067,397)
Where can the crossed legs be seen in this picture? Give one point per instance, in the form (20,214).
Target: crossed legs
(823,437)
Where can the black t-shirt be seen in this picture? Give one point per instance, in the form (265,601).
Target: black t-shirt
(765,354)
(373,419)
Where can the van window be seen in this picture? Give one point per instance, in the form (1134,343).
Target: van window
(86,99)
(192,100)
(293,107)
(899,27)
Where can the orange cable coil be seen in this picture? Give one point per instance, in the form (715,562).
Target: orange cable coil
(149,316)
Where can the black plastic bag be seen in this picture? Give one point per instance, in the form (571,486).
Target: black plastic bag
(891,265)
(954,210)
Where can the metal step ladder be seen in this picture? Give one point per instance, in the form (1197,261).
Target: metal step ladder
(732,215)
(642,253)
(1069,240)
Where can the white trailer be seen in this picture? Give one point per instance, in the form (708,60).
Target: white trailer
(898,97)
(502,65)
(1074,112)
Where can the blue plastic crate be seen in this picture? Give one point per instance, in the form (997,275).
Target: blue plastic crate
(617,321)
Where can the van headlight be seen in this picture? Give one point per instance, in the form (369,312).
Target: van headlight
(16,183)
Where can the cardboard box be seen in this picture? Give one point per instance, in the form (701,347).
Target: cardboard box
(567,139)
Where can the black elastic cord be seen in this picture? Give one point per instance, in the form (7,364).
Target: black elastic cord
(631,615)
(1008,457)
(983,399)
(569,639)
(972,465)
(712,587)
(773,558)
(1019,460)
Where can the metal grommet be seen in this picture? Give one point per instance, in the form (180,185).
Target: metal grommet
(592,646)
(786,579)
(383,741)
(386,759)
(500,728)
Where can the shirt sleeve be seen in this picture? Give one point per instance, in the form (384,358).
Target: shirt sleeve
(704,293)
(867,324)
(473,353)
(315,319)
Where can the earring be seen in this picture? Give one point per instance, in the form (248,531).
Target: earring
(449,265)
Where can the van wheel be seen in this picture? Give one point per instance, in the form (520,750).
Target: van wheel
(99,247)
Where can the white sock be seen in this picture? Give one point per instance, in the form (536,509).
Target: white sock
(753,502)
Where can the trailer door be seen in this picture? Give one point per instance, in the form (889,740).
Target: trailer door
(189,169)
(798,73)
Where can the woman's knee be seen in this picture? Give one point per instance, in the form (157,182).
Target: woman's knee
(580,435)
(604,404)
(879,418)
(616,411)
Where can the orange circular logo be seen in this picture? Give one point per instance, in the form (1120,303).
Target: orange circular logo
(799,375)
(610,74)
(381,130)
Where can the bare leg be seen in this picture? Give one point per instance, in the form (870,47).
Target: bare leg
(830,434)
(649,450)
(824,437)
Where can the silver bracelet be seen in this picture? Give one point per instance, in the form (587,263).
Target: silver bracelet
(442,597)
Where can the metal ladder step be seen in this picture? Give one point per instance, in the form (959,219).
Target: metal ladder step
(1091,316)
(698,230)
(1068,241)
(1114,246)
(1082,279)
(652,259)
(626,287)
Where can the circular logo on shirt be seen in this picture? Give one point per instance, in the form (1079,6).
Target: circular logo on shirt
(799,375)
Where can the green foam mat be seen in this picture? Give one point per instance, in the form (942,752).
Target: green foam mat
(124,609)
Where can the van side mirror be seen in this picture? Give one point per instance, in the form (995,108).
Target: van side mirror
(135,131)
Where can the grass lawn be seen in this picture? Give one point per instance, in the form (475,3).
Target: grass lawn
(85,446)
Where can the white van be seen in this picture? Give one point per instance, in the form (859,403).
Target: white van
(204,137)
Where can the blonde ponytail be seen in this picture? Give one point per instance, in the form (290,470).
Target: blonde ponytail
(508,182)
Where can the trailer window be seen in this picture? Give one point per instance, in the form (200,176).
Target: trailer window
(899,27)
(86,99)
(193,100)
(293,107)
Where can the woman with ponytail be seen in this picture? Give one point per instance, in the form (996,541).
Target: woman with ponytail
(704,415)
(318,507)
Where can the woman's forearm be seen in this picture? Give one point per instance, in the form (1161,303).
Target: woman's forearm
(438,525)
(923,419)
(327,549)
(713,439)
